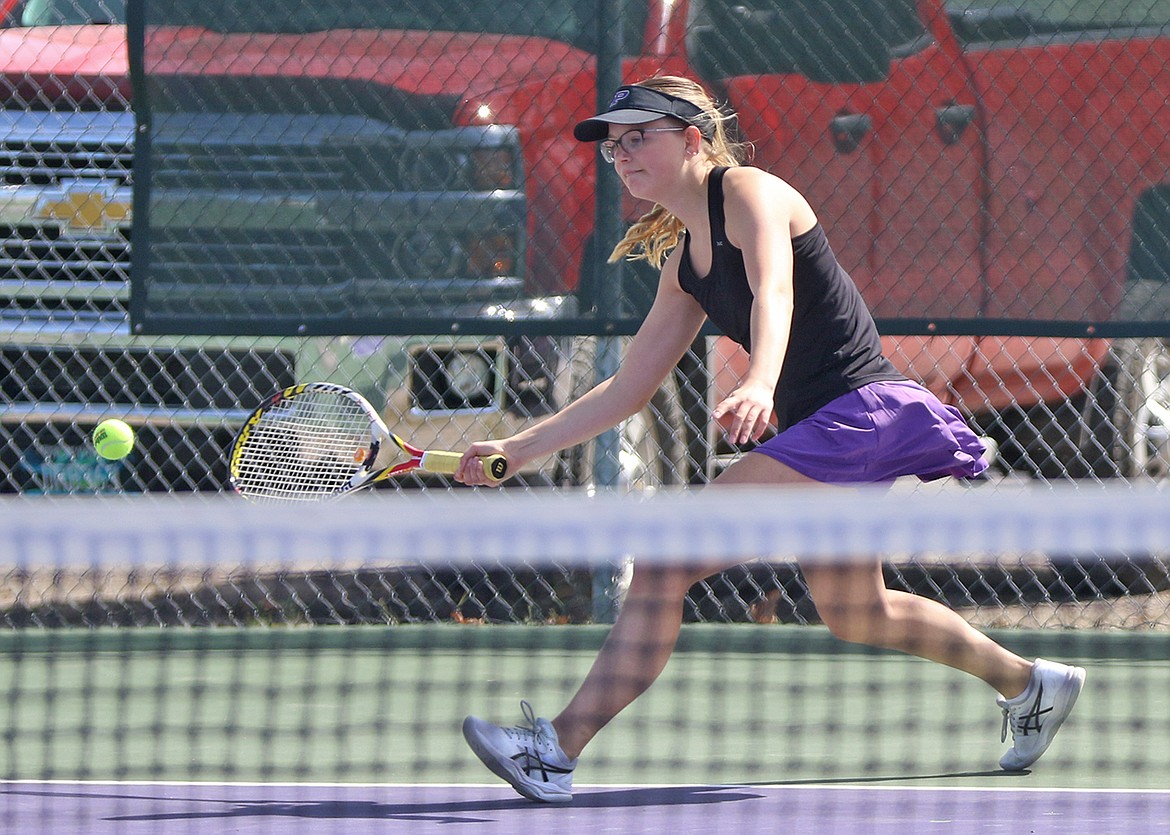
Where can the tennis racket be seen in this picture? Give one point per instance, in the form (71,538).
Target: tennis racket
(319,440)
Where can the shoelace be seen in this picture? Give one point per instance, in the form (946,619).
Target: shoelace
(530,718)
(1018,724)
(527,732)
(535,762)
(1025,718)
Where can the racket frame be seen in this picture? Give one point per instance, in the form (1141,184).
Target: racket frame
(384,444)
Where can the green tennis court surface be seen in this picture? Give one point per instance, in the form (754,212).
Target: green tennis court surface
(767,705)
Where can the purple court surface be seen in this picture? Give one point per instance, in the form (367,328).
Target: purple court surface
(100,808)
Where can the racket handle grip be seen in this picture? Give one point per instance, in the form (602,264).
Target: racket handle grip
(494,466)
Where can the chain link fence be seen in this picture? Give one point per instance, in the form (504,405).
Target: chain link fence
(388,198)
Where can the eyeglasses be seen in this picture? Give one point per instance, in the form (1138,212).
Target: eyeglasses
(630,141)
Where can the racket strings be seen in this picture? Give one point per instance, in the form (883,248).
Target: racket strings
(303,447)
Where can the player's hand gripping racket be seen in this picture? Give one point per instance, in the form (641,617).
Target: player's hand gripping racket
(318,440)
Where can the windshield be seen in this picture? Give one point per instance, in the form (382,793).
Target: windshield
(571,21)
(1065,15)
(72,12)
(830,41)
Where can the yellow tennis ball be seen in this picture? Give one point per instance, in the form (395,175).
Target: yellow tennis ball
(113,439)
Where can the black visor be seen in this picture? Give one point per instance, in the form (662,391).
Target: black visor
(634,105)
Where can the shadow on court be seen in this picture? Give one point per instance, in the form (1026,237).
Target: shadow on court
(226,803)
(997,774)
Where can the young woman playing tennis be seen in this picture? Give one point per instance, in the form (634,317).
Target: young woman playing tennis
(744,249)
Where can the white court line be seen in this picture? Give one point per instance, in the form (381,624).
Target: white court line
(584,786)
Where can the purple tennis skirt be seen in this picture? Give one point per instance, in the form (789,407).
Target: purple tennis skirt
(878,433)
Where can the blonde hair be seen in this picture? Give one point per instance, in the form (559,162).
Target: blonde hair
(657,232)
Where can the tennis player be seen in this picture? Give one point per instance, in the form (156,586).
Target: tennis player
(743,248)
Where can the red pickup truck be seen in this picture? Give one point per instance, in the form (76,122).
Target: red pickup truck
(1011,163)
(972,161)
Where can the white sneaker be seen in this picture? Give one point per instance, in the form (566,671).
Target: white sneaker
(1036,715)
(529,758)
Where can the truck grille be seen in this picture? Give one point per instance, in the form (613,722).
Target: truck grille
(47,253)
(68,220)
(46,163)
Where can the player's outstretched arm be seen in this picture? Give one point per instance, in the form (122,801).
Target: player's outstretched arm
(668,330)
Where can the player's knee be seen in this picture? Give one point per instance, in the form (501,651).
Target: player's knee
(852,623)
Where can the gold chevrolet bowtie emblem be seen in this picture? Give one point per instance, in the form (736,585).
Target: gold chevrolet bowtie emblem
(87,210)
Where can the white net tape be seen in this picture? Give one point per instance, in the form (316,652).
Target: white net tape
(782,524)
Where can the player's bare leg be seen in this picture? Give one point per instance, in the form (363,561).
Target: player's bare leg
(647,627)
(855,604)
(634,653)
(852,600)
(1036,697)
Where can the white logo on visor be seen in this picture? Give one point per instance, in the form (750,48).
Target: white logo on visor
(618,96)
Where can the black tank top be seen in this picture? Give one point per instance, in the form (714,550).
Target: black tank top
(834,345)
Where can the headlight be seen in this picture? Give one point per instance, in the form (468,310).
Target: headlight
(478,254)
(492,255)
(493,168)
(428,254)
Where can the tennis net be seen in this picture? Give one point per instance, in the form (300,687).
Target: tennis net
(182,661)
